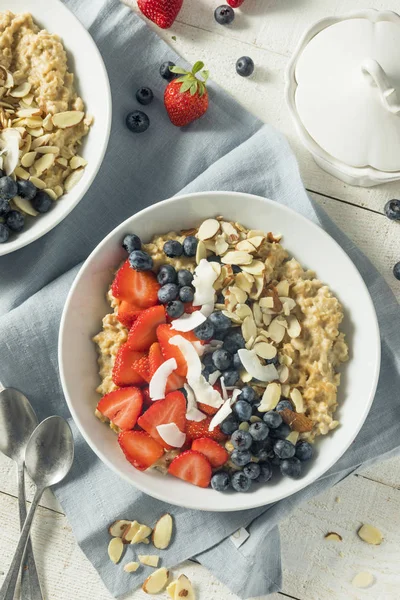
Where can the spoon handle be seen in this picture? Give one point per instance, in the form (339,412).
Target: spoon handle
(30,585)
(7,590)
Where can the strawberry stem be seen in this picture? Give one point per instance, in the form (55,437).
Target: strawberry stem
(190,79)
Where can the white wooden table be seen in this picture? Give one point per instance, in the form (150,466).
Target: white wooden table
(314,569)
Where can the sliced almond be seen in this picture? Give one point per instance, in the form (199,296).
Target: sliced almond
(21,90)
(245,246)
(48,123)
(296,421)
(267,302)
(288,304)
(72,179)
(131,567)
(276,331)
(293,437)
(283,288)
(51,193)
(221,245)
(41,141)
(48,150)
(230,232)
(23,113)
(77,161)
(254,233)
(149,560)
(66,119)
(35,132)
(256,240)
(216,267)
(243,282)
(294,328)
(34,123)
(237,258)
(201,252)
(370,534)
(7,77)
(21,173)
(208,229)
(285,390)
(254,268)
(43,164)
(232,316)
(283,372)
(62,161)
(58,191)
(37,182)
(363,580)
(265,350)
(249,329)
(184,589)
(210,245)
(267,319)
(332,536)
(297,400)
(156,582)
(141,534)
(130,532)
(162,532)
(243,311)
(270,398)
(28,159)
(28,99)
(241,296)
(257,314)
(115,549)
(171,589)
(25,205)
(118,528)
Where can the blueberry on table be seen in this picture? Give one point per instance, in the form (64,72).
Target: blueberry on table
(168,293)
(284,449)
(131,242)
(396,270)
(190,245)
(15,220)
(242,410)
(252,470)
(140,261)
(166,274)
(186,294)
(240,458)
(272,419)
(175,309)
(229,426)
(224,15)
(392,210)
(4,233)
(222,359)
(26,189)
(137,121)
(185,277)
(283,404)
(4,207)
(221,322)
(241,440)
(231,377)
(41,201)
(248,394)
(245,66)
(220,482)
(281,432)
(259,431)
(144,96)
(8,188)
(291,468)
(205,331)
(265,472)
(233,342)
(173,248)
(240,482)
(304,451)
(165,71)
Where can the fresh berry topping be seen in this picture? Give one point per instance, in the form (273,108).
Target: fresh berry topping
(186,98)
(222,359)
(237,363)
(224,15)
(220,322)
(173,248)
(175,309)
(242,410)
(185,278)
(122,407)
(144,96)
(137,121)
(272,419)
(215,454)
(186,294)
(15,220)
(252,470)
(392,210)
(304,451)
(190,245)
(164,334)
(175,381)
(281,432)
(259,431)
(241,440)
(249,395)
(235,3)
(140,449)
(166,274)
(4,207)
(207,409)
(8,188)
(136,287)
(170,410)
(214,258)
(123,373)
(229,425)
(284,449)
(283,404)
(396,270)
(26,189)
(192,467)
(4,233)
(241,457)
(234,341)
(128,313)
(140,261)
(265,472)
(245,66)
(291,468)
(240,482)
(168,292)
(144,330)
(205,331)
(195,430)
(131,242)
(41,201)
(162,12)
(231,377)
(142,368)
(220,482)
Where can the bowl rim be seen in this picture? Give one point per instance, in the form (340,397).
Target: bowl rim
(193,504)
(23,241)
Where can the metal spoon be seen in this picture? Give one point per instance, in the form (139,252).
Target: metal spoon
(48,458)
(17,422)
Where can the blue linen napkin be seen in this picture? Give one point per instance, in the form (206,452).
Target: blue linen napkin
(228,149)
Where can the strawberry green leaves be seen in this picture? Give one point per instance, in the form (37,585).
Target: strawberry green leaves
(189,80)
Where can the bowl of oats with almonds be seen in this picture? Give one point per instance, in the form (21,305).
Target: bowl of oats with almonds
(55,117)
(221,359)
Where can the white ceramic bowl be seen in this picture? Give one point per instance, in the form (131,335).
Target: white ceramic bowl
(86,305)
(92,84)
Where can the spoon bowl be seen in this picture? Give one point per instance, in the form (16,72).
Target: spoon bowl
(17,422)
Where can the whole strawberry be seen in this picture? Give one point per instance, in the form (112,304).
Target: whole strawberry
(235,3)
(162,12)
(186,98)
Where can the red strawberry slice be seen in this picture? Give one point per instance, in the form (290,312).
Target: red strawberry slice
(170,410)
(174,382)
(122,407)
(162,12)
(147,401)
(189,308)
(144,330)
(139,288)
(207,409)
(214,453)
(164,334)
(142,367)
(123,373)
(140,449)
(192,467)
(156,359)
(128,313)
(195,430)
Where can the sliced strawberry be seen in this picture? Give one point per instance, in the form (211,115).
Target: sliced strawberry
(214,453)
(139,288)
(140,449)
(164,334)
(195,430)
(189,308)
(123,373)
(122,407)
(142,367)
(170,410)
(174,382)
(147,401)
(206,409)
(192,467)
(128,313)
(156,359)
(144,330)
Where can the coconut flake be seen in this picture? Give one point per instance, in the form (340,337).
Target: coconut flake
(171,434)
(253,366)
(203,282)
(221,415)
(236,393)
(198,346)
(212,346)
(223,387)
(9,143)
(213,378)
(207,309)
(192,412)
(159,380)
(188,322)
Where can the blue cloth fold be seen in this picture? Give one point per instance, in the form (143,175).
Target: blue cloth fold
(228,149)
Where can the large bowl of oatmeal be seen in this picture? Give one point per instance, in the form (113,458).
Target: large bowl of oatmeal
(55,114)
(327,360)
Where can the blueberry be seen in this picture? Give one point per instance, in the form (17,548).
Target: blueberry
(392,210)
(276,461)
(242,410)
(137,121)
(262,454)
(245,66)
(205,331)
(8,188)
(173,248)
(165,71)
(233,342)
(237,363)
(281,432)
(304,451)
(240,457)
(140,261)
(231,377)
(214,258)
(291,468)
(249,395)
(265,472)
(220,482)
(2,173)
(221,322)
(26,189)
(4,233)
(241,440)
(166,274)
(144,96)
(168,293)
(236,269)
(15,220)
(220,298)
(272,419)
(206,372)
(208,361)
(186,294)
(284,449)
(222,359)
(175,309)
(252,470)
(240,482)
(224,15)
(185,277)
(396,270)
(259,431)
(282,404)
(4,207)
(131,242)
(273,361)
(229,425)
(190,245)
(42,202)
